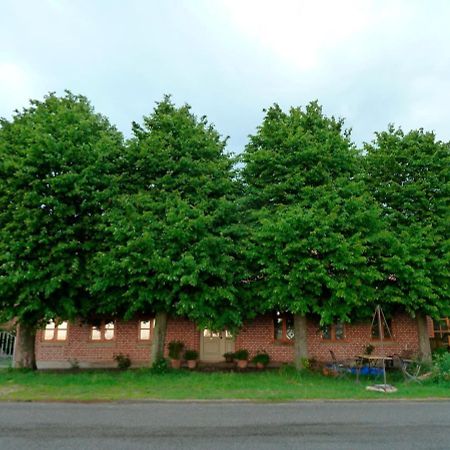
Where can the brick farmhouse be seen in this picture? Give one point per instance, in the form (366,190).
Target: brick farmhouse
(66,344)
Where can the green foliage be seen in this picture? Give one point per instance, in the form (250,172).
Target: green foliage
(91,227)
(123,361)
(409,175)
(313,227)
(241,355)
(261,357)
(441,368)
(305,363)
(172,232)
(160,366)
(175,349)
(191,355)
(57,175)
(439,352)
(229,356)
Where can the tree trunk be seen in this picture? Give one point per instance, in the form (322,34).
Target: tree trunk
(424,339)
(24,355)
(159,337)
(301,344)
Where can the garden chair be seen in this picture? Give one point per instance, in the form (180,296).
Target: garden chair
(410,369)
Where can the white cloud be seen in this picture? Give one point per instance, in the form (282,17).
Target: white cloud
(300,33)
(372,61)
(16,86)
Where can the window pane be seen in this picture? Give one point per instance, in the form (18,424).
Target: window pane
(109,331)
(326,332)
(290,333)
(49,332)
(278,327)
(339,331)
(144,333)
(96,334)
(61,331)
(228,334)
(210,334)
(61,335)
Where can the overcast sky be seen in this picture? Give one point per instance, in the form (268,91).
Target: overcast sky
(372,62)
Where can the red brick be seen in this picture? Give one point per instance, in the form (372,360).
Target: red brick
(254,336)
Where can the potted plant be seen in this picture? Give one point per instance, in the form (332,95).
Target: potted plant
(261,359)
(368,349)
(241,356)
(123,361)
(191,357)
(229,357)
(175,349)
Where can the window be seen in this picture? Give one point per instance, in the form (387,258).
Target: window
(386,329)
(210,334)
(333,332)
(145,329)
(441,330)
(55,331)
(103,332)
(441,326)
(283,327)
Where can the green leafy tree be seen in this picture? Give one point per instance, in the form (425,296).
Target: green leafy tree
(173,231)
(313,225)
(409,175)
(56,178)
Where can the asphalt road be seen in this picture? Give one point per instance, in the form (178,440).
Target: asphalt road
(228,425)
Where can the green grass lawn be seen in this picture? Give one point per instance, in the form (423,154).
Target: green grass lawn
(141,384)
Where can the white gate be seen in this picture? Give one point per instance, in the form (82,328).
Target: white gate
(6,347)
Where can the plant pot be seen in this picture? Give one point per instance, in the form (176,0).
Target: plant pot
(175,363)
(242,363)
(192,363)
(260,365)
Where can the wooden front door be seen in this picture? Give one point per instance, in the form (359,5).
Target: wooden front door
(214,344)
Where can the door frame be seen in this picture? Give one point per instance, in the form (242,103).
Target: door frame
(223,346)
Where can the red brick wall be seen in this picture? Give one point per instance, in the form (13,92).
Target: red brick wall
(259,335)
(256,335)
(183,330)
(88,353)
(358,336)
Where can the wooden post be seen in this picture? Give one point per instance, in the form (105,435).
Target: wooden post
(301,342)
(381,333)
(159,337)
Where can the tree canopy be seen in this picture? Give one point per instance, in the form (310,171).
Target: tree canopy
(171,232)
(55,181)
(313,222)
(92,226)
(409,175)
